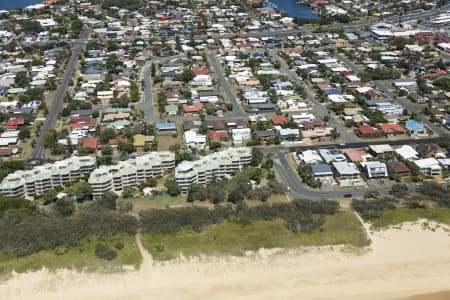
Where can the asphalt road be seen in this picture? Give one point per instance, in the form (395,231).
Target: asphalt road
(58,101)
(237,110)
(320,109)
(147,104)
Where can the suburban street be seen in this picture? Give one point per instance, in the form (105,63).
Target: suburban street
(58,101)
(237,110)
(147,104)
(297,189)
(320,109)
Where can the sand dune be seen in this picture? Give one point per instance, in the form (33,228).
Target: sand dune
(400,262)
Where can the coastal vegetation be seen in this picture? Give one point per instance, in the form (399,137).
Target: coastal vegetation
(234,238)
(431,202)
(232,230)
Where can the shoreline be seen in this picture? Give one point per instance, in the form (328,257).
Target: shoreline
(395,264)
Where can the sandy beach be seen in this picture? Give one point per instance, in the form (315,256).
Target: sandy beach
(401,262)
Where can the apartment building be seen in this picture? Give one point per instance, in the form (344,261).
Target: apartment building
(130,172)
(216,165)
(25,183)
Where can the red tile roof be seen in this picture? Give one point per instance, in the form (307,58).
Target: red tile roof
(80,119)
(200,71)
(367,129)
(193,108)
(392,128)
(90,142)
(14,122)
(82,125)
(217,135)
(276,120)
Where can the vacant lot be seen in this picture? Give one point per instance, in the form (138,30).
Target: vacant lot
(167,140)
(80,258)
(232,238)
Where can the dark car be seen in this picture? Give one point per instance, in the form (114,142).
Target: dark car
(348,195)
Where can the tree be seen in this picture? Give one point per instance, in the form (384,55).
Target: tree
(399,190)
(421,85)
(107,150)
(128,192)
(102,251)
(106,134)
(11,46)
(236,196)
(22,80)
(80,191)
(153,70)
(172,188)
(49,196)
(64,208)
(257,157)
(50,138)
(107,200)
(24,133)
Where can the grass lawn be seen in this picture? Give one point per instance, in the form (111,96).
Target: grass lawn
(163,202)
(167,140)
(232,238)
(400,215)
(74,258)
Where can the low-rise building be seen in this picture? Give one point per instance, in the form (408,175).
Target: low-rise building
(375,169)
(346,171)
(322,172)
(216,165)
(429,166)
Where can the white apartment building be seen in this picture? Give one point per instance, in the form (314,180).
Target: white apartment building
(130,172)
(25,183)
(216,165)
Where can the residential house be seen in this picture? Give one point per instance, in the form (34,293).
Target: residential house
(430,150)
(375,169)
(429,166)
(322,173)
(399,168)
(194,140)
(347,172)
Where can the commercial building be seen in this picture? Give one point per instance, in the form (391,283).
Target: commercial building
(25,183)
(216,165)
(130,172)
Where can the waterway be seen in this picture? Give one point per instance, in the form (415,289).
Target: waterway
(9,4)
(294,9)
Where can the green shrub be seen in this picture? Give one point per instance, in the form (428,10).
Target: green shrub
(103,252)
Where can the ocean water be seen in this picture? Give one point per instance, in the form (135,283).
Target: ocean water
(7,4)
(293,9)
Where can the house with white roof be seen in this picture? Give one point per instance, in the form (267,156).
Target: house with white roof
(429,166)
(310,157)
(194,140)
(407,152)
(375,169)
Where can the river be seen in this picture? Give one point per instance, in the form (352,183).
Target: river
(295,10)
(8,4)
